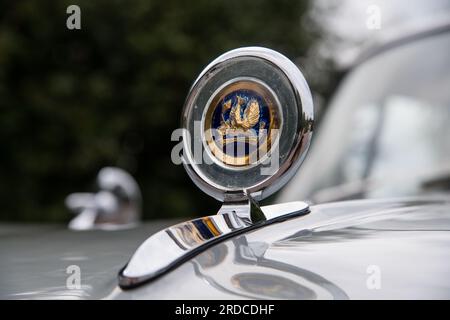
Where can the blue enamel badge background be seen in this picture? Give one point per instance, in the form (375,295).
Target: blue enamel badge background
(247,95)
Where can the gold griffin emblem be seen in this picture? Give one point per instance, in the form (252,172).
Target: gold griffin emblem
(238,123)
(244,123)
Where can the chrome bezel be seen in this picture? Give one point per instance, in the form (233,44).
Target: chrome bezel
(296,92)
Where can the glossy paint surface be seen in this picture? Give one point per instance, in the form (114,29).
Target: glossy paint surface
(330,253)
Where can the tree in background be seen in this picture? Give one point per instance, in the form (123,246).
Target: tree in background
(73,101)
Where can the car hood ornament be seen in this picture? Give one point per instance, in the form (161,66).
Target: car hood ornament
(246,126)
(116,205)
(248,122)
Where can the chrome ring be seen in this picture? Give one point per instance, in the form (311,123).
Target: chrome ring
(293,97)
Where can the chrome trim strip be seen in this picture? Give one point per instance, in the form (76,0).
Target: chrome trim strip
(174,245)
(302,131)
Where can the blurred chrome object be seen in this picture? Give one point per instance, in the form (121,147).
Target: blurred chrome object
(242,97)
(116,205)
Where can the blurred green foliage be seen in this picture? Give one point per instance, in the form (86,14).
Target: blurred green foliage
(73,101)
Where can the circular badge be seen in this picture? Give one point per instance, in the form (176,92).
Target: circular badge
(248,121)
(241,122)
